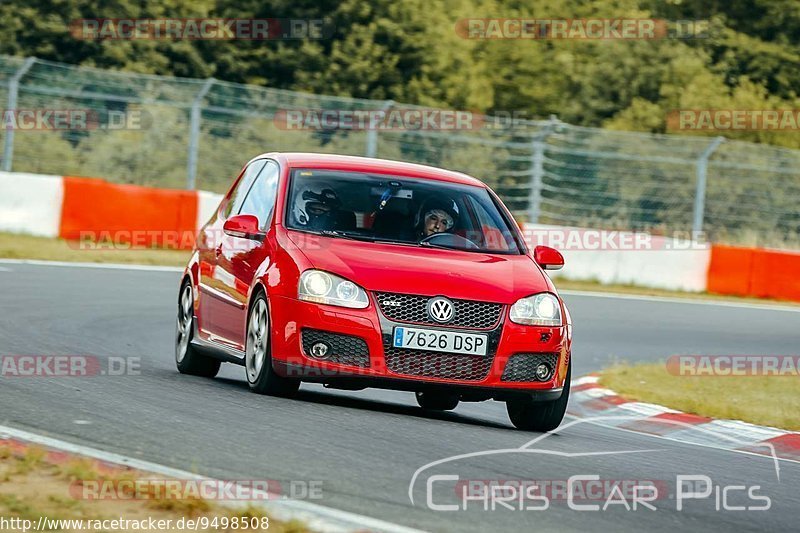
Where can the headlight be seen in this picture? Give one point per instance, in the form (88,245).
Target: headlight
(321,287)
(538,310)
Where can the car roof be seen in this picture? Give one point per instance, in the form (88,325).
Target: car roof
(369,164)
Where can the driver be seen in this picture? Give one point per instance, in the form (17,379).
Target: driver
(316,207)
(437,214)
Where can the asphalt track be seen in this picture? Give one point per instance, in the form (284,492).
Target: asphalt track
(365,447)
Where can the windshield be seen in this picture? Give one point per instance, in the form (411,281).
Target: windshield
(399,210)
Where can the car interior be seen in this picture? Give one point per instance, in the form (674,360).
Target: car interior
(387,210)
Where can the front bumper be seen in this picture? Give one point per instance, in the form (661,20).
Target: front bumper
(479,375)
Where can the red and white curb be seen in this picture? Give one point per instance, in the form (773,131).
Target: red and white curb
(588,400)
(316,517)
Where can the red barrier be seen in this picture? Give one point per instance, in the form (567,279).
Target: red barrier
(94,210)
(776,275)
(729,270)
(754,272)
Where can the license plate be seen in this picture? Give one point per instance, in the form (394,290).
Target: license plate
(440,341)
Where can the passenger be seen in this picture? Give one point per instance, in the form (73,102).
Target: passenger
(437,214)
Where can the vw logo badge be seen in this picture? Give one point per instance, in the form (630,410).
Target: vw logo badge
(441,309)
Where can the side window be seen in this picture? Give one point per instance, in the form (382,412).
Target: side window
(238,194)
(260,201)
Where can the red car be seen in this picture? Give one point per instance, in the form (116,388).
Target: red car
(357,272)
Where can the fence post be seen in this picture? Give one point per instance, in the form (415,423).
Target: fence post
(537,170)
(372,131)
(537,173)
(194,134)
(700,192)
(11,106)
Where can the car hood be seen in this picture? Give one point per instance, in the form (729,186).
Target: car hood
(429,271)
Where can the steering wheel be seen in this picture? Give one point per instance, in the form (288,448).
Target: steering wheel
(450,240)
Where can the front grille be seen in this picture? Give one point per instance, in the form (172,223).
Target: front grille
(413,309)
(522,366)
(437,365)
(343,349)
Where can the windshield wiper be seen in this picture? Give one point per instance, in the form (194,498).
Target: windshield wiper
(441,246)
(361,237)
(346,235)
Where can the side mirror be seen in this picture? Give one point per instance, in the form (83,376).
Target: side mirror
(548,258)
(244,226)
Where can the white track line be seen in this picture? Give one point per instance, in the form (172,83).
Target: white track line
(316,517)
(109,266)
(583,380)
(688,300)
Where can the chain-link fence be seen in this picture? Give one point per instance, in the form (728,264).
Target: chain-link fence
(198,133)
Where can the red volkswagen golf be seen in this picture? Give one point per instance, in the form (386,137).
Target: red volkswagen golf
(357,272)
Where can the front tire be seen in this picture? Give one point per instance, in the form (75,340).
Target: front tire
(437,401)
(546,416)
(187,359)
(258,356)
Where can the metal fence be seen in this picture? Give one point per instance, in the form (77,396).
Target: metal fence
(198,133)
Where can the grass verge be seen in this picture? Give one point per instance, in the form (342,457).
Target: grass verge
(763,400)
(14,246)
(31,487)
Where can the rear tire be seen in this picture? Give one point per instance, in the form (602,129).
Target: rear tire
(544,416)
(258,354)
(437,401)
(187,359)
